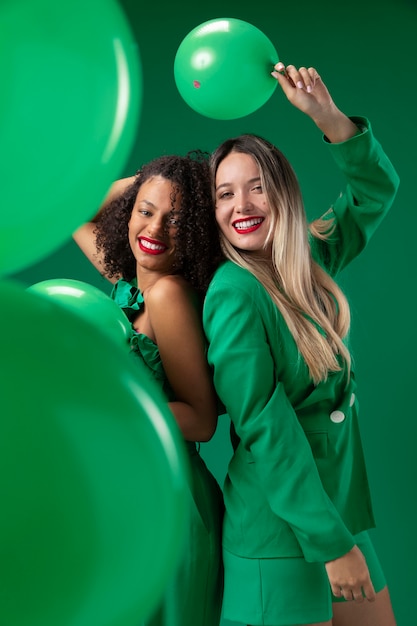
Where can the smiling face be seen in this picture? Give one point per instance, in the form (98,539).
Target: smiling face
(242,211)
(152,226)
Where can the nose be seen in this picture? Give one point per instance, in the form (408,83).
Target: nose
(156,227)
(243,205)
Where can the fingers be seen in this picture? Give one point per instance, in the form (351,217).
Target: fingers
(337,591)
(356,594)
(349,577)
(369,592)
(302,78)
(347,593)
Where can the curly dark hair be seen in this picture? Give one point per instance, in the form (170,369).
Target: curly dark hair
(197,239)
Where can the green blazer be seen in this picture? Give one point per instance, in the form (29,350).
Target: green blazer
(296,484)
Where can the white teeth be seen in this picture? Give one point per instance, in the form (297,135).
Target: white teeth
(151,246)
(247,223)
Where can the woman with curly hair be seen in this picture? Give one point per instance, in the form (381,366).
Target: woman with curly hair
(156,239)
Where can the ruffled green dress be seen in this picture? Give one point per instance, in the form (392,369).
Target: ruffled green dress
(194,595)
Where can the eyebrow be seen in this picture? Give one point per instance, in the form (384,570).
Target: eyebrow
(150,204)
(250,181)
(147,202)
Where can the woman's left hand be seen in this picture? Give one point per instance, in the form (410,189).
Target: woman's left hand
(305,89)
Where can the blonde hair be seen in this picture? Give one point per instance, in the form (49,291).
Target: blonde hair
(313,306)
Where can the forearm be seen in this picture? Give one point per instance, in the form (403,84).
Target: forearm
(85,236)
(335,125)
(194,425)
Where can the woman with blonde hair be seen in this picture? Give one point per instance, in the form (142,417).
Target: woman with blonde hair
(295,544)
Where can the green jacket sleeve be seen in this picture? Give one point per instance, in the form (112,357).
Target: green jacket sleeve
(372,184)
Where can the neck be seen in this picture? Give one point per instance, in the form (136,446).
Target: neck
(147,278)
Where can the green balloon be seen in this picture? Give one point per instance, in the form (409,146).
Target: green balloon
(71,93)
(223,67)
(93,473)
(89,302)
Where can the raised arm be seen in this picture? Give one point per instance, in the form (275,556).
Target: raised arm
(85,236)
(178,331)
(371,187)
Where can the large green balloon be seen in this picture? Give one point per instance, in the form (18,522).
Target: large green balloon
(71,85)
(223,67)
(89,302)
(93,473)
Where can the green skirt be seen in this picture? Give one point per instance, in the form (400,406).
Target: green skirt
(285,591)
(194,595)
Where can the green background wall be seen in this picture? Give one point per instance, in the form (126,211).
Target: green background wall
(367,54)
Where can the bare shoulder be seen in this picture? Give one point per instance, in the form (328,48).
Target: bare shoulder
(170,290)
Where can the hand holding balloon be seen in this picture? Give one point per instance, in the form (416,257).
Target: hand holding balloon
(305,89)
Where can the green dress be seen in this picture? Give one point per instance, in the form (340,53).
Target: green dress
(194,595)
